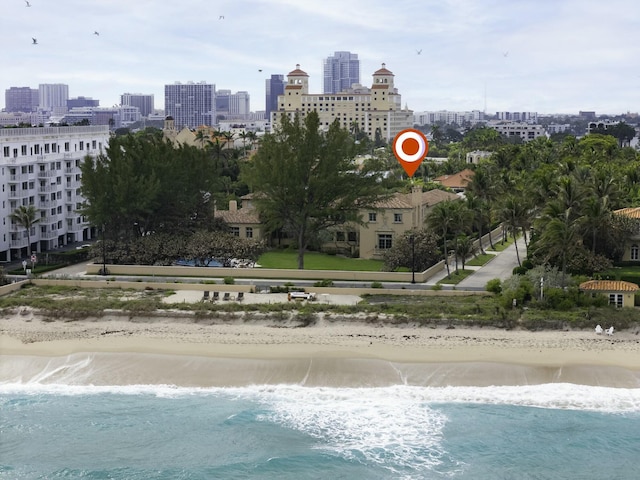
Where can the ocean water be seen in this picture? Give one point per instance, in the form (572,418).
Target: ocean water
(287,431)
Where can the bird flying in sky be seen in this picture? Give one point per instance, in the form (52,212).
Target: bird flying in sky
(221,17)
(96,33)
(419,52)
(35,41)
(28,4)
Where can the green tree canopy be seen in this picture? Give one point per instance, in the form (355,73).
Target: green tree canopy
(306,180)
(143,184)
(424,249)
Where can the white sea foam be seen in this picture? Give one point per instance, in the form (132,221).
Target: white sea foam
(551,395)
(369,425)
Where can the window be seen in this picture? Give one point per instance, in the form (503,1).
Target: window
(635,252)
(615,299)
(339,236)
(385,241)
(351,236)
(235,231)
(372,216)
(66,146)
(249,232)
(397,218)
(6,151)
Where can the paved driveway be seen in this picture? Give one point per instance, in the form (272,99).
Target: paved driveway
(500,267)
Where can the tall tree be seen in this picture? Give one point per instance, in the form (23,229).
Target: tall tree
(149,184)
(483,186)
(513,214)
(559,240)
(442,219)
(26,216)
(306,180)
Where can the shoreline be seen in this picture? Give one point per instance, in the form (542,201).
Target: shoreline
(186,352)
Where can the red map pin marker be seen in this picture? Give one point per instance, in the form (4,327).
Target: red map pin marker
(410,147)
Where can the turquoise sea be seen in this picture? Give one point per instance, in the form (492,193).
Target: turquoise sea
(287,431)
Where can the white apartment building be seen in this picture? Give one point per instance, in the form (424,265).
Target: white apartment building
(375,111)
(524,117)
(53,97)
(41,167)
(525,131)
(446,117)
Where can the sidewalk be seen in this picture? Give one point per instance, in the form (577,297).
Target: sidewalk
(501,266)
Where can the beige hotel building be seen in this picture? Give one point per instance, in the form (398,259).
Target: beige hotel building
(375,109)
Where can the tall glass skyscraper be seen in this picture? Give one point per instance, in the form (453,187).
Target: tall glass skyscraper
(274,86)
(341,71)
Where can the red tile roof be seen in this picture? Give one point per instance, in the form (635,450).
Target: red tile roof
(460,179)
(609,286)
(631,212)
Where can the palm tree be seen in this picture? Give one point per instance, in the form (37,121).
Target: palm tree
(560,240)
(228,139)
(478,208)
(596,216)
(513,215)
(26,216)
(244,135)
(483,185)
(464,248)
(202,137)
(442,219)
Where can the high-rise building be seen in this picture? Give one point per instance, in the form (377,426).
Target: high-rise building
(53,97)
(375,111)
(232,105)
(274,87)
(82,102)
(239,104)
(191,104)
(144,102)
(21,99)
(223,98)
(341,71)
(41,167)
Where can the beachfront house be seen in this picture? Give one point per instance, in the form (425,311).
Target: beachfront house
(619,293)
(386,222)
(243,221)
(632,244)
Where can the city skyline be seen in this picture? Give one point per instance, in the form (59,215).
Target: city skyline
(496,55)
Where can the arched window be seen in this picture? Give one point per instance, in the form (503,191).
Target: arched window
(635,252)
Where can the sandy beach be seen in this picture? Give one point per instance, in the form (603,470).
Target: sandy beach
(178,349)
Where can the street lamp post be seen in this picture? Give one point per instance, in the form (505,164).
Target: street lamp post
(413,258)
(104,253)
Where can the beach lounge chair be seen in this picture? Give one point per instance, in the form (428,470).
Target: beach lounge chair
(226,296)
(599,330)
(610,331)
(216,296)
(205,296)
(240,296)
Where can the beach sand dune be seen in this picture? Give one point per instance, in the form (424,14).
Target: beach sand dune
(177,349)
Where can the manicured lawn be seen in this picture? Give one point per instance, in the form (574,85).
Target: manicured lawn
(499,245)
(317,261)
(456,277)
(626,273)
(480,260)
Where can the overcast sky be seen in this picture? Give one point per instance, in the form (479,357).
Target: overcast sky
(549,56)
